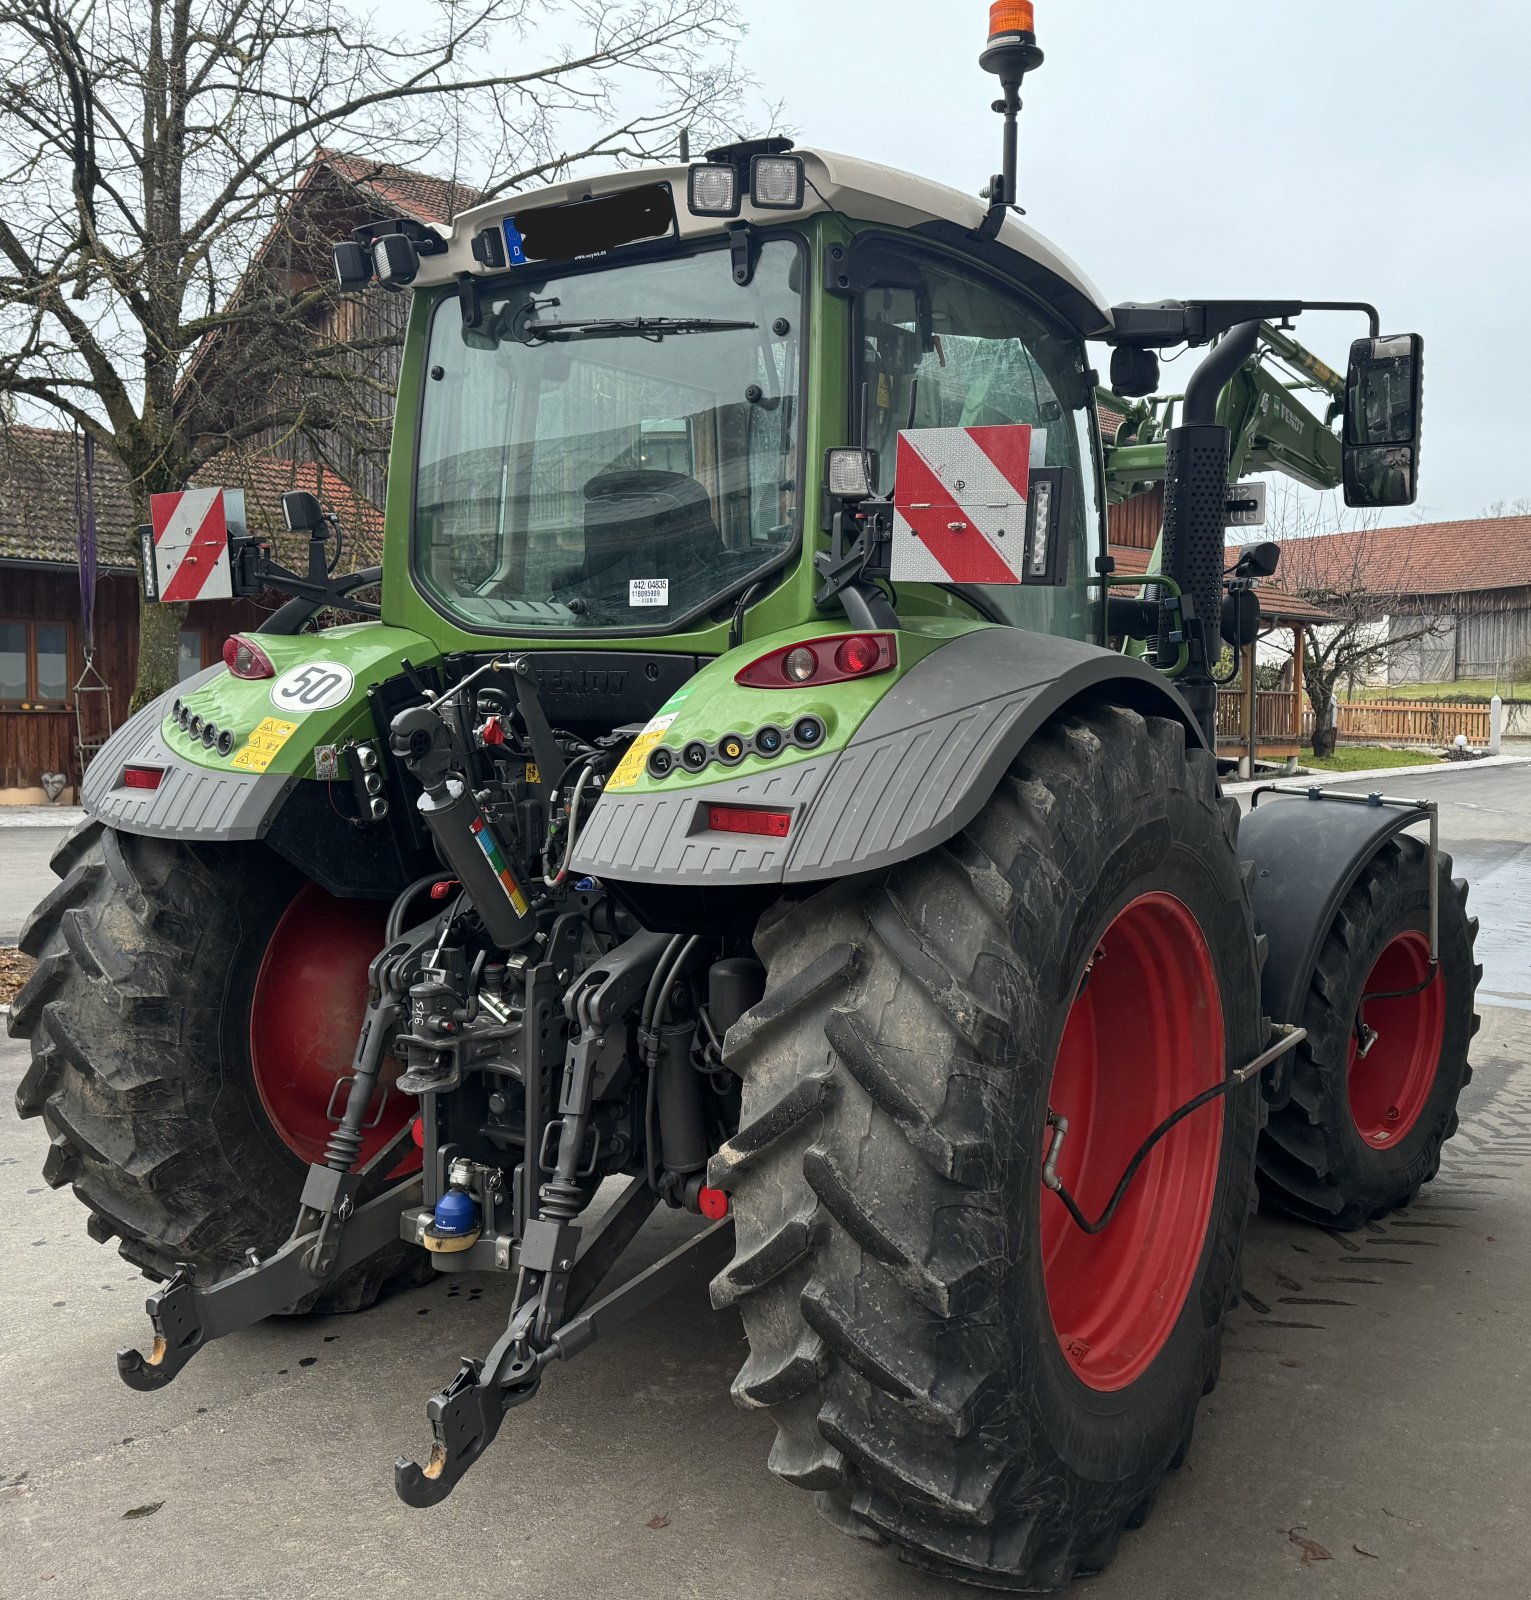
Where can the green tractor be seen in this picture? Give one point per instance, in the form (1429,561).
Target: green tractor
(755,794)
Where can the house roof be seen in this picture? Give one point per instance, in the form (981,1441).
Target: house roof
(39,521)
(1276,605)
(1426,558)
(416,194)
(39,468)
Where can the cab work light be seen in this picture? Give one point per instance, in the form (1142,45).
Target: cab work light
(749,819)
(776,182)
(850,473)
(353,265)
(814,661)
(713,191)
(395,260)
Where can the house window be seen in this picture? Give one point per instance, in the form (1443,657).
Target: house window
(200,647)
(34,663)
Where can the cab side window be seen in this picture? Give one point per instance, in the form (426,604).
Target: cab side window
(959,350)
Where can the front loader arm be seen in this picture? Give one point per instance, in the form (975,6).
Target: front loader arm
(1273,430)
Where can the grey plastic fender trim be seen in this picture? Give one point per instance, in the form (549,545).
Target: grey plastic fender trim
(191,802)
(917,771)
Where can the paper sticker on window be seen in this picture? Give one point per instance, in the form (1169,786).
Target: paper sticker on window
(648,591)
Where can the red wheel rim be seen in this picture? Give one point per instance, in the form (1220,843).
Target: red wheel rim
(1143,1036)
(305,1014)
(1390,1085)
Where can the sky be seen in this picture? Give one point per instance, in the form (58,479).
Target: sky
(1328,149)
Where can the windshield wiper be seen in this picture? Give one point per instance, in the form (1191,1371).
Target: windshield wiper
(530,332)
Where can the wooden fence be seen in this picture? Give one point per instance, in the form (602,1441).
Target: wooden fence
(1428,722)
(1275,719)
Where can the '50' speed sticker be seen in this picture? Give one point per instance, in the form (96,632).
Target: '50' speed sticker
(315,686)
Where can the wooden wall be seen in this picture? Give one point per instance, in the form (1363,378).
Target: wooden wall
(1137,520)
(35,742)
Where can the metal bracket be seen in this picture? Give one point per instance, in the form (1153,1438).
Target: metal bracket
(466,1415)
(185,1318)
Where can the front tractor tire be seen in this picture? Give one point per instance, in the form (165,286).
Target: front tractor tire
(1376,1083)
(191,1009)
(953,1366)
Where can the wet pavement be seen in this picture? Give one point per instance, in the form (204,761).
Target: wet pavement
(1371,1435)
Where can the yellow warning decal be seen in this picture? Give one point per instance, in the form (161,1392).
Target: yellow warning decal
(632,764)
(260,749)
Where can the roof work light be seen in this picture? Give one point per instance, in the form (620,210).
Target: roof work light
(776,182)
(713,191)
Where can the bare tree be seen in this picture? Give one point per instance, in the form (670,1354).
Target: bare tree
(149,150)
(1357,572)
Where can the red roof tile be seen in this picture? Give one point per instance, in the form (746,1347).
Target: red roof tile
(1426,558)
(416,194)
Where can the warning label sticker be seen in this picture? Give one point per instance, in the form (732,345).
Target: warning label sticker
(648,591)
(632,764)
(260,749)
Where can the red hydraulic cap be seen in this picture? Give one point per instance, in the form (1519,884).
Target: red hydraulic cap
(712,1203)
(439,891)
(417,1132)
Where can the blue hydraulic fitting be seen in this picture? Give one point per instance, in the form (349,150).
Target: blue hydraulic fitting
(456,1214)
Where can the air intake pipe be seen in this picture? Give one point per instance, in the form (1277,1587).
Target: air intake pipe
(1195,516)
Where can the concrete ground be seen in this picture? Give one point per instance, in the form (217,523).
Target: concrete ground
(1371,1436)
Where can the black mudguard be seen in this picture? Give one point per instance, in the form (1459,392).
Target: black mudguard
(1307,853)
(916,772)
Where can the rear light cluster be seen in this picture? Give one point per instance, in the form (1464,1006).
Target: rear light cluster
(810,662)
(204,728)
(806,733)
(245,659)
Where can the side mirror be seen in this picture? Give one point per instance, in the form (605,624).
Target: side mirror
(1258,561)
(302,513)
(1384,396)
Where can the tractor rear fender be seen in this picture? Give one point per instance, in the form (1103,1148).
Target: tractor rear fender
(916,771)
(261,783)
(1306,855)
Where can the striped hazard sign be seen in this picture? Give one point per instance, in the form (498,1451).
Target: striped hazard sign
(959,504)
(191,542)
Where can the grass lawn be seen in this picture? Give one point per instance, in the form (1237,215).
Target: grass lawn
(1363,757)
(1467,689)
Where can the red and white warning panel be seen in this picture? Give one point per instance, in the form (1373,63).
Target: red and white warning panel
(191,532)
(959,504)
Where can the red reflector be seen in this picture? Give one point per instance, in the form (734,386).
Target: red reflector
(712,1203)
(142,777)
(245,659)
(748,819)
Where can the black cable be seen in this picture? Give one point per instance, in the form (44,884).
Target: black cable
(1424,983)
(1144,1150)
(396,912)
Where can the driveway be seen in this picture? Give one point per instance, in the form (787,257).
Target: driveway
(1371,1435)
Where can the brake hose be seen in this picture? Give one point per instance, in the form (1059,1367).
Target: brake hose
(1290,1038)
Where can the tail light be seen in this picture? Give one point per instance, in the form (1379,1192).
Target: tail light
(814,661)
(749,819)
(245,659)
(142,777)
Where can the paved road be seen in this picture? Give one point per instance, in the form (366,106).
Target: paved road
(1374,1401)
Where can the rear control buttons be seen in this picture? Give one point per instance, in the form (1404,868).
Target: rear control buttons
(807,733)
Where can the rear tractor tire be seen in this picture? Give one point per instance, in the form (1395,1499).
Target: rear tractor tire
(1368,1116)
(953,1366)
(191,1010)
